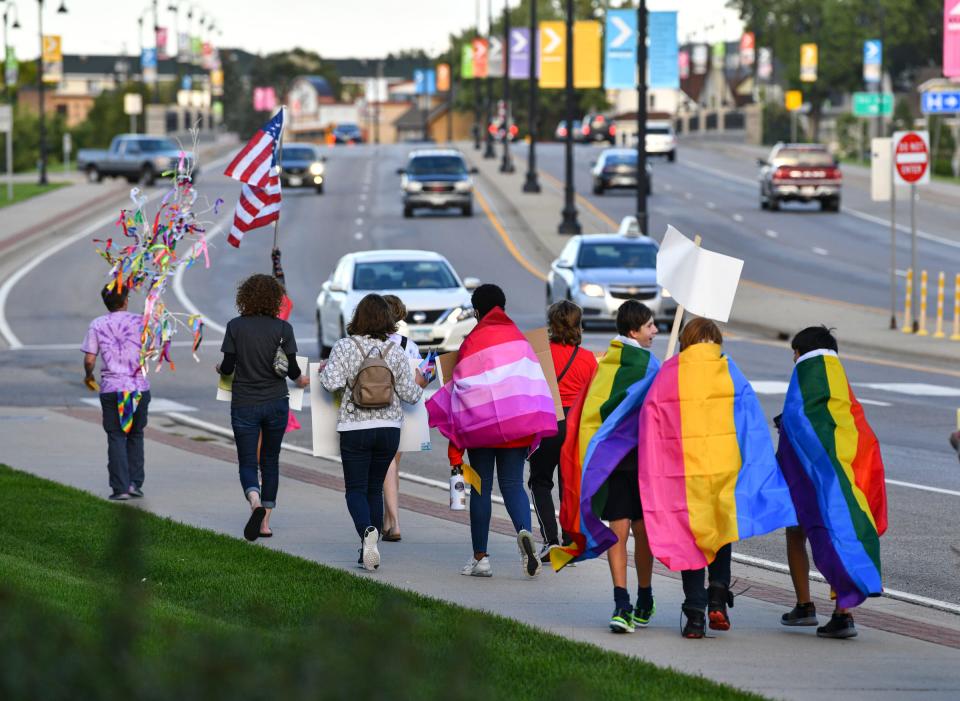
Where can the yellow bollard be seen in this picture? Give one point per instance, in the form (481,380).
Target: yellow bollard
(907,304)
(939,332)
(922,328)
(955,336)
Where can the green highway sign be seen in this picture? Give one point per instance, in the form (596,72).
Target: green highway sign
(872,104)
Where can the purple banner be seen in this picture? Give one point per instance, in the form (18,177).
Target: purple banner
(520,53)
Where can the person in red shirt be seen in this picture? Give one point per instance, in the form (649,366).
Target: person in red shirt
(575,368)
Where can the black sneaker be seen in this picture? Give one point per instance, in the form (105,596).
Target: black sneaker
(719,597)
(695,626)
(119,496)
(135,492)
(800,615)
(622,621)
(840,626)
(641,617)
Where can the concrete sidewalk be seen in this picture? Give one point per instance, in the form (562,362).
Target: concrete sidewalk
(192,479)
(530,221)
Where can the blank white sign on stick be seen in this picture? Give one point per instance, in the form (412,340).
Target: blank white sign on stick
(702,281)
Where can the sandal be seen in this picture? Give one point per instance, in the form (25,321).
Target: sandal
(252,530)
(391,536)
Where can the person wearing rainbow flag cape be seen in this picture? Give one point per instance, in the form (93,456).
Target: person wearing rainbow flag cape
(831,460)
(497,405)
(598,466)
(707,471)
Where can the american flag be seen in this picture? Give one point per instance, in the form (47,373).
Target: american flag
(255,166)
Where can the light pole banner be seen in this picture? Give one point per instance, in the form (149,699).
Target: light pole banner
(443,77)
(808,63)
(520,53)
(586,54)
(495,57)
(196,49)
(148,65)
(683,64)
(699,59)
(872,60)
(466,62)
(664,63)
(620,50)
(52,58)
(479,58)
(951,38)
(719,51)
(765,63)
(183,46)
(748,49)
(553,54)
(161,37)
(11,68)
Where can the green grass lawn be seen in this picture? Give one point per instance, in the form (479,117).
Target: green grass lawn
(24,191)
(101,600)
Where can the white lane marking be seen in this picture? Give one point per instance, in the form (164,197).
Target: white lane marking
(916,389)
(688,195)
(924,488)
(900,272)
(874,402)
(363,195)
(820,251)
(902,227)
(711,205)
(181,294)
(668,187)
(738,218)
(157,406)
(358,235)
(358,221)
(771,233)
(362,208)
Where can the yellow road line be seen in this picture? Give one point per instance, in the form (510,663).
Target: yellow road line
(507,242)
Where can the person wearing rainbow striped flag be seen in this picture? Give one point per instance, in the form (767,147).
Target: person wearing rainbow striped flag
(832,463)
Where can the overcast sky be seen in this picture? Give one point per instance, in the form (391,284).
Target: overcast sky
(333,28)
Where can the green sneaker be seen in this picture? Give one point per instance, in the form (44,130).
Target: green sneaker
(641,617)
(622,621)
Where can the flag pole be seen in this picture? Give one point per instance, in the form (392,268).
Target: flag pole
(677,318)
(283,128)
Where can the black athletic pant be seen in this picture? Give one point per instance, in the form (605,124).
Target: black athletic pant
(695,594)
(543,463)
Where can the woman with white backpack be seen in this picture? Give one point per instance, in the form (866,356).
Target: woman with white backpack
(375,376)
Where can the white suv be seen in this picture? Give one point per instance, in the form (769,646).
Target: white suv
(661,140)
(439,313)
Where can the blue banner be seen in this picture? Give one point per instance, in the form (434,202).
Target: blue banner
(620,50)
(664,51)
(431,81)
(425,81)
(872,60)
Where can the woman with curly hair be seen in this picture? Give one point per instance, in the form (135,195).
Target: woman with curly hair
(259,405)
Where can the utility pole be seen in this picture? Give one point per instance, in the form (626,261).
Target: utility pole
(569,223)
(376,103)
(476,92)
(42,166)
(532,184)
(488,151)
(642,183)
(506,165)
(156,51)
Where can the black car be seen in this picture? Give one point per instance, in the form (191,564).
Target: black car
(347,133)
(437,179)
(617,168)
(597,127)
(301,165)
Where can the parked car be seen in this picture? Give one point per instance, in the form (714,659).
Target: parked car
(439,314)
(599,272)
(661,140)
(560,133)
(302,165)
(347,133)
(617,168)
(436,179)
(496,129)
(800,173)
(597,127)
(136,157)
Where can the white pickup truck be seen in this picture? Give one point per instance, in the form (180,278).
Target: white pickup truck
(136,157)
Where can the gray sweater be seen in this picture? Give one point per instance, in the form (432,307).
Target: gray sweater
(342,367)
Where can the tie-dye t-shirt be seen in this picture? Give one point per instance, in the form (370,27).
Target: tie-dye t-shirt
(115,337)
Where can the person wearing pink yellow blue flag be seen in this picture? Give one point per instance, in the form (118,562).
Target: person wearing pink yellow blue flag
(707,472)
(124,390)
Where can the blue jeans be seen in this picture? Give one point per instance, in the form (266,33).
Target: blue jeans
(124,450)
(249,422)
(509,463)
(366,456)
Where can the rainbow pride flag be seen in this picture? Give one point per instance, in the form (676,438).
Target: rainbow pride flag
(601,431)
(831,459)
(498,393)
(708,475)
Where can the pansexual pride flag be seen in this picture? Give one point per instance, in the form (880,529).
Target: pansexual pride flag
(498,393)
(832,463)
(708,475)
(601,431)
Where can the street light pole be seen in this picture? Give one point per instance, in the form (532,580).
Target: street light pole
(569,223)
(376,103)
(532,184)
(506,165)
(43,123)
(642,183)
(156,51)
(488,151)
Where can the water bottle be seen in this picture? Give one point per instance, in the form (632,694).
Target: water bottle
(458,490)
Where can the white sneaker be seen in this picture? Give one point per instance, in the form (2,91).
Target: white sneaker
(478,568)
(369,553)
(528,554)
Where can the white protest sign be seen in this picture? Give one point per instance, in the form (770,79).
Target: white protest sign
(296,393)
(704,282)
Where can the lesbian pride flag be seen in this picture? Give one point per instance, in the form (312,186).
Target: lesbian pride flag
(831,459)
(498,393)
(601,431)
(708,475)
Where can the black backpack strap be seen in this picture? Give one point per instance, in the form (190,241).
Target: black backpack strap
(403,342)
(576,349)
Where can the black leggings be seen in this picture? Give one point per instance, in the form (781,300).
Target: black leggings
(543,463)
(695,595)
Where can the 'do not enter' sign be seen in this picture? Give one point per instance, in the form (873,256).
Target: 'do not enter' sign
(911,157)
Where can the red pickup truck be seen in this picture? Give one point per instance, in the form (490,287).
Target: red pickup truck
(800,173)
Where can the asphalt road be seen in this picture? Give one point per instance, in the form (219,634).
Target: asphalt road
(911,408)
